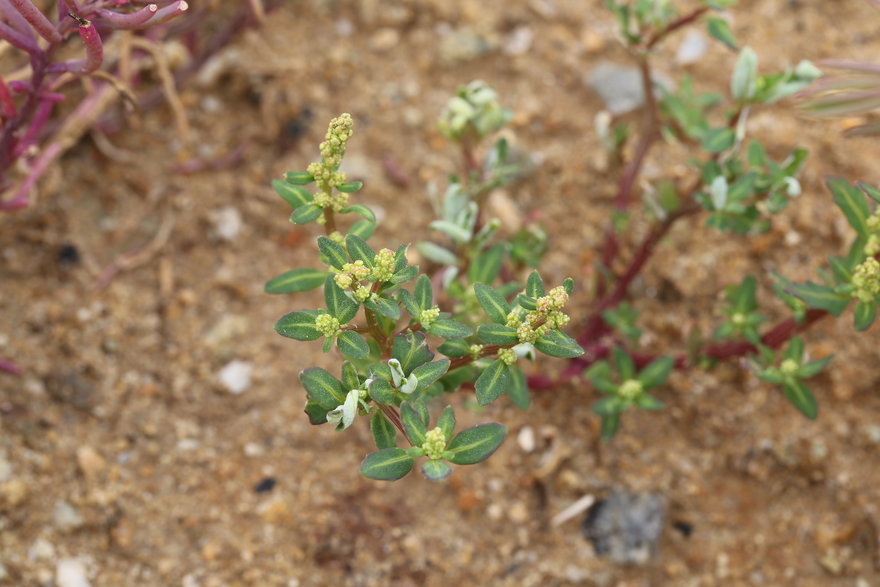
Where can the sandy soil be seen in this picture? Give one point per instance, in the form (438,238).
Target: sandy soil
(120,448)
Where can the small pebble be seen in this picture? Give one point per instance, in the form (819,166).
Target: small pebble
(91,464)
(66,517)
(71,572)
(41,549)
(236,376)
(227,223)
(385,39)
(692,48)
(526,438)
(265,485)
(519,41)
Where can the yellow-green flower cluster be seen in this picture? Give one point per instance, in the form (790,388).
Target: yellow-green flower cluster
(507,356)
(872,247)
(326,172)
(351,273)
(383,267)
(532,325)
(789,367)
(630,389)
(475,350)
(328,325)
(434,444)
(866,280)
(427,317)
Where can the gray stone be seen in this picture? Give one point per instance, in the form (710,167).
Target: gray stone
(619,87)
(625,527)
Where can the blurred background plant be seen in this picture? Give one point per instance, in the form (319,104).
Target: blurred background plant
(55,88)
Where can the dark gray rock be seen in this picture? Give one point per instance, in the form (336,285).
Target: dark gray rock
(625,527)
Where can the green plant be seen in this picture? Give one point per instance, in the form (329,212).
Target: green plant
(390,372)
(738,189)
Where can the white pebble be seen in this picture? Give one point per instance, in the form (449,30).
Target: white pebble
(71,572)
(227,223)
(692,48)
(526,438)
(236,376)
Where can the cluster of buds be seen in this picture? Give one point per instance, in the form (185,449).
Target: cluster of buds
(548,315)
(427,317)
(328,325)
(326,172)
(434,444)
(872,247)
(866,280)
(351,276)
(474,110)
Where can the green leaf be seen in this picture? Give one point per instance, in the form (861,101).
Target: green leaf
(476,444)
(717,140)
(306,213)
(719,29)
(423,293)
(852,203)
(409,303)
(322,388)
(518,390)
(624,364)
(449,329)
(795,350)
(411,350)
(350,379)
(864,315)
(350,187)
(382,392)
(430,372)
(608,406)
(317,414)
(363,229)
(339,305)
(813,368)
(821,297)
(294,195)
(526,302)
(436,253)
(299,177)
(298,325)
(535,285)
(384,433)
(412,423)
(436,470)
(388,464)
(352,345)
(405,274)
(495,306)
(497,334)
(492,382)
(610,424)
(385,306)
(649,402)
(656,373)
(455,348)
(333,252)
(869,190)
(364,211)
(801,397)
(446,421)
(558,344)
(486,265)
(457,233)
(295,281)
(359,250)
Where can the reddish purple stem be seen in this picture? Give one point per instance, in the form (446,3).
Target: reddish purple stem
(131,20)
(41,116)
(37,20)
(17,39)
(168,12)
(9,367)
(7,106)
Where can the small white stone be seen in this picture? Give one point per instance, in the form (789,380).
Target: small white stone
(692,48)
(253,449)
(71,572)
(66,517)
(526,438)
(236,376)
(344,27)
(227,223)
(519,41)
(41,549)
(187,444)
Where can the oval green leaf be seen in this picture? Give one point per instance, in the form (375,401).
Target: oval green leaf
(389,464)
(492,382)
(295,281)
(476,444)
(298,325)
(352,345)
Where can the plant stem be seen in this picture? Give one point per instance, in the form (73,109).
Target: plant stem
(673,26)
(393,417)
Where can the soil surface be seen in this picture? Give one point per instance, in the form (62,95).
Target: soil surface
(129,285)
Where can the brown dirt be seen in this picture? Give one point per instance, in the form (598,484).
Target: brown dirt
(120,415)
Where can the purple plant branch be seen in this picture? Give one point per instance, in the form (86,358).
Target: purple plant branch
(37,20)
(94,52)
(130,20)
(16,20)
(17,39)
(168,12)
(7,106)
(41,116)
(20,199)
(9,367)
